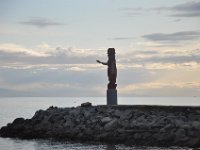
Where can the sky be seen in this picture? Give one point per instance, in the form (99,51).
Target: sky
(50,47)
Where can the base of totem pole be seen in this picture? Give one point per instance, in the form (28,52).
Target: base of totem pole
(111,97)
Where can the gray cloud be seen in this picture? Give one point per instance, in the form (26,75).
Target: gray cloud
(173,37)
(43,81)
(177,20)
(58,56)
(149,57)
(73,60)
(188,9)
(41,22)
(131,12)
(122,38)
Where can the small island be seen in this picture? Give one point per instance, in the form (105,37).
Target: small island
(133,125)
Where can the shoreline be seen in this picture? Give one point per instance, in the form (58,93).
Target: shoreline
(139,125)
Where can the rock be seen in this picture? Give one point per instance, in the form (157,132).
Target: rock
(133,124)
(146,135)
(69,124)
(110,110)
(126,115)
(87,114)
(196,125)
(111,125)
(178,122)
(125,124)
(195,142)
(87,104)
(18,121)
(180,134)
(168,127)
(117,113)
(136,125)
(137,136)
(106,120)
(185,126)
(74,113)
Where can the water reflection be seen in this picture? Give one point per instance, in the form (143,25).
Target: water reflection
(17,144)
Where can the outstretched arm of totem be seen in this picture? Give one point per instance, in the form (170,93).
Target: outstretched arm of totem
(104,63)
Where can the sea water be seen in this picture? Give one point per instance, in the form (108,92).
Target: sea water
(15,107)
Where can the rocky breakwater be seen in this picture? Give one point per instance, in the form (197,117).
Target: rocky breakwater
(134,125)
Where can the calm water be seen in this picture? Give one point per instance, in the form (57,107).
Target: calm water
(11,108)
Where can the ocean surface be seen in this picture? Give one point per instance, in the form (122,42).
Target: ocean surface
(15,107)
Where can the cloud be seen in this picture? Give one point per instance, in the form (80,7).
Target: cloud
(188,9)
(173,37)
(68,71)
(12,53)
(162,89)
(122,38)
(177,20)
(18,57)
(10,48)
(132,12)
(41,22)
(160,59)
(44,81)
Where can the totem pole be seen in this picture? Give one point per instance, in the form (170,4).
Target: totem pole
(112,75)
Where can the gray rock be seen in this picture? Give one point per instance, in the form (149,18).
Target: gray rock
(18,121)
(69,124)
(198,112)
(178,122)
(179,135)
(168,127)
(87,114)
(137,136)
(125,124)
(106,120)
(185,126)
(111,125)
(193,142)
(126,115)
(146,135)
(87,104)
(110,110)
(74,112)
(117,113)
(196,124)
(133,124)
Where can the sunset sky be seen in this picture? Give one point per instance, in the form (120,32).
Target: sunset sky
(50,47)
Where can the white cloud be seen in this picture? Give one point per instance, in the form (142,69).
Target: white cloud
(14,48)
